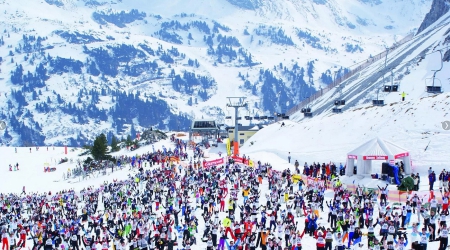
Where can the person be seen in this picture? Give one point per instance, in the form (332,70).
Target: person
(5,243)
(432,179)
(416,182)
(282,124)
(289,157)
(442,179)
(403,94)
(443,237)
(23,190)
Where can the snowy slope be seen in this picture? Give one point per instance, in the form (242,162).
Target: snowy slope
(413,124)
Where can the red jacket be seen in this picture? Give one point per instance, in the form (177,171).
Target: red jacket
(320,240)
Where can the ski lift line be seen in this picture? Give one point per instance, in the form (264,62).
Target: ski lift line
(375,59)
(323,91)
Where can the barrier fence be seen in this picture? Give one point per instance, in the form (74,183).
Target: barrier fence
(394,196)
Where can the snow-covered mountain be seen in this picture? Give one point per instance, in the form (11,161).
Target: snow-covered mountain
(420,123)
(71,69)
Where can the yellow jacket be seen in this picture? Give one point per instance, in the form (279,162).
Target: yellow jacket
(226,222)
(230,204)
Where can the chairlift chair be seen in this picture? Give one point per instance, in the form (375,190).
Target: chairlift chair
(337,110)
(378,102)
(436,87)
(307,112)
(339,102)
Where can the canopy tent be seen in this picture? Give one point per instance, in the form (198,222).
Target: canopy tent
(376,149)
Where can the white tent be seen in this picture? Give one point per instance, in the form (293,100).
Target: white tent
(376,149)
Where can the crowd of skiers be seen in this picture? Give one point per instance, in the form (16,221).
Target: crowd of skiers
(229,207)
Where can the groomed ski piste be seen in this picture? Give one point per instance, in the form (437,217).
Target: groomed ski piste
(31,175)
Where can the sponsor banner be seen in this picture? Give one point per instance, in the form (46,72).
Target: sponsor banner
(375,157)
(352,157)
(316,182)
(238,159)
(401,155)
(213,162)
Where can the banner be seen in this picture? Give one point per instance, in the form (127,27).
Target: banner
(375,157)
(401,155)
(352,157)
(238,159)
(213,162)
(228,147)
(316,181)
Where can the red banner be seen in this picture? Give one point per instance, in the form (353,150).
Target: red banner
(401,155)
(238,159)
(352,157)
(375,157)
(213,162)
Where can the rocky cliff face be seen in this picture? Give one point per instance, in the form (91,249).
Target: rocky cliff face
(438,9)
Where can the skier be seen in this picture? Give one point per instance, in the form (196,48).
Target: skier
(403,94)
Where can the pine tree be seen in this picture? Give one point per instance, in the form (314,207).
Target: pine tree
(100,147)
(128,142)
(114,144)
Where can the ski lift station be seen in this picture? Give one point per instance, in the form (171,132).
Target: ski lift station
(203,130)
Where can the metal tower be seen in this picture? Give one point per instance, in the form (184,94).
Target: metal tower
(236,103)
